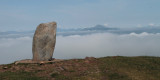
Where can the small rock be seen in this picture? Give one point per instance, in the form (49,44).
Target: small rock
(41,63)
(86,61)
(5,67)
(61,68)
(16,63)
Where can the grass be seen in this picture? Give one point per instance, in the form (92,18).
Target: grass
(135,68)
(58,76)
(18,76)
(117,76)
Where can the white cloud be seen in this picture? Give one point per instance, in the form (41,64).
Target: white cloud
(151,24)
(76,46)
(106,44)
(141,34)
(12,49)
(106,24)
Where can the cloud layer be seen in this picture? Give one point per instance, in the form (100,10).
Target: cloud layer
(107,44)
(76,46)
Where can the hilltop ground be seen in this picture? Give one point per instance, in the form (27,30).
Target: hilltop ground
(106,68)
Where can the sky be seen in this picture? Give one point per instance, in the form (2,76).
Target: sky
(136,24)
(23,15)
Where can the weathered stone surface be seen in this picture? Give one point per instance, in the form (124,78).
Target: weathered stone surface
(44,41)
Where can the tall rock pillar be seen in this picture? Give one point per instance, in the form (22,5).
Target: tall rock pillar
(44,41)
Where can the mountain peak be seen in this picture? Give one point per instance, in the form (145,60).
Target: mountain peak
(98,27)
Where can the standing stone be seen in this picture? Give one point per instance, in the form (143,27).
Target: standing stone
(44,41)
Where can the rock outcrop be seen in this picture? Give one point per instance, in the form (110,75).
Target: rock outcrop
(44,41)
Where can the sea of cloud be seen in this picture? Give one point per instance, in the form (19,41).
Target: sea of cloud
(80,46)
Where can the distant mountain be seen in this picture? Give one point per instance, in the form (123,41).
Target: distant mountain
(94,28)
(16,32)
(98,28)
(148,29)
(67,30)
(85,31)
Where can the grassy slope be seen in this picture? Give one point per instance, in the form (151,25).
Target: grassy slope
(106,68)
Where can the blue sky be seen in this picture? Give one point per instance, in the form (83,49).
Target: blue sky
(22,15)
(26,15)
